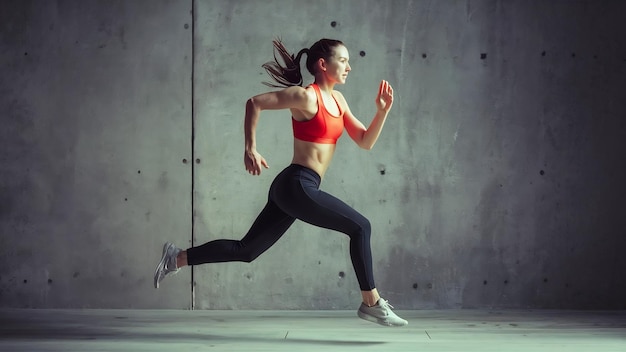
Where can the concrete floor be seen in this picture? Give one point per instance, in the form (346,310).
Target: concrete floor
(445,330)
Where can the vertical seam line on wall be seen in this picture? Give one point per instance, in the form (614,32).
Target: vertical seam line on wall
(193,142)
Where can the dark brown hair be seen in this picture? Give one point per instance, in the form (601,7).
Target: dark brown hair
(289,74)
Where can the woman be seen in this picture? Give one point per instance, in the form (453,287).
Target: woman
(319,115)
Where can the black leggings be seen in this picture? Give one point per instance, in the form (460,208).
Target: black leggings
(295,194)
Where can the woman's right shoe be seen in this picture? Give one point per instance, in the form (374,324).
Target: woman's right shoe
(381,313)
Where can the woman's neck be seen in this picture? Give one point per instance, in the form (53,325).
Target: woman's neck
(325,86)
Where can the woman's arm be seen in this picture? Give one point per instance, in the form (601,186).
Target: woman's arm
(288,98)
(367,137)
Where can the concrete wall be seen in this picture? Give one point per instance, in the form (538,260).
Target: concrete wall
(96,119)
(497,181)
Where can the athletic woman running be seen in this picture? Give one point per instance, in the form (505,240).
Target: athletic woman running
(319,116)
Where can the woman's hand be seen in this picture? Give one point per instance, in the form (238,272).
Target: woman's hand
(253,161)
(384,99)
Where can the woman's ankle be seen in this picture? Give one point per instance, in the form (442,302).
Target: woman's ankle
(181,259)
(370,298)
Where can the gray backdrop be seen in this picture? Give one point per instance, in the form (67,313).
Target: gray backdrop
(497,181)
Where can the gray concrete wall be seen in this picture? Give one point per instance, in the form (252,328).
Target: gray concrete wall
(497,181)
(96,106)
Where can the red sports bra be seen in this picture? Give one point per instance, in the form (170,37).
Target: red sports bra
(323,128)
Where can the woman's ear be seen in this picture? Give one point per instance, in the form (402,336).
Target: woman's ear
(321,64)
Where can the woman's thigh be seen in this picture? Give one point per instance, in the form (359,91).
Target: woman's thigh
(297,193)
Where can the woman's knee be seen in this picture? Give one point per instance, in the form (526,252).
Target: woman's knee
(367,227)
(364,228)
(242,253)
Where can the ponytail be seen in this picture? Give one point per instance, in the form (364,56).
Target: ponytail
(289,73)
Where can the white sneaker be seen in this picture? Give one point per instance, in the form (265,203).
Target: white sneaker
(381,314)
(167,265)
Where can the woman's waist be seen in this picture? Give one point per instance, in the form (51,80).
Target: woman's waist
(312,163)
(313,155)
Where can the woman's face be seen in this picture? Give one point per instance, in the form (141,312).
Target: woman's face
(338,66)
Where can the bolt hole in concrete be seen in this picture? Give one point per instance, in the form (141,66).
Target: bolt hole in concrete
(333,24)
(483,56)
(342,274)
(362,53)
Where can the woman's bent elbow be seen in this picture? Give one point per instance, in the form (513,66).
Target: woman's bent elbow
(250,103)
(252,106)
(366,146)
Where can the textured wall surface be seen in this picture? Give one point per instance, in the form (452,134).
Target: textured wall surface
(497,181)
(95,100)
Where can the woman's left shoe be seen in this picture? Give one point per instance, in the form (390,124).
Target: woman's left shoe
(167,265)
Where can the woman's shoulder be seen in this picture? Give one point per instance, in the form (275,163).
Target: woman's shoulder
(302,94)
(311,93)
(306,99)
